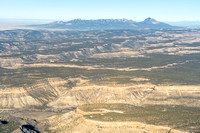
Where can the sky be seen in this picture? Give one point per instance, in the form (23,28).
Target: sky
(138,10)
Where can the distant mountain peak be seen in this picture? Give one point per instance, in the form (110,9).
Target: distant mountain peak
(150,20)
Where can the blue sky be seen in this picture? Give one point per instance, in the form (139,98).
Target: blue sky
(163,10)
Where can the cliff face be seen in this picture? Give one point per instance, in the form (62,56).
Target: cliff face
(101,94)
(37,95)
(16,98)
(54,93)
(135,95)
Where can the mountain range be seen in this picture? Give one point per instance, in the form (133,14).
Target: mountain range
(98,24)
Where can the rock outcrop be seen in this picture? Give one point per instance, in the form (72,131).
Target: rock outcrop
(75,122)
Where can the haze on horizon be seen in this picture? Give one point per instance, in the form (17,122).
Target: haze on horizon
(138,10)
